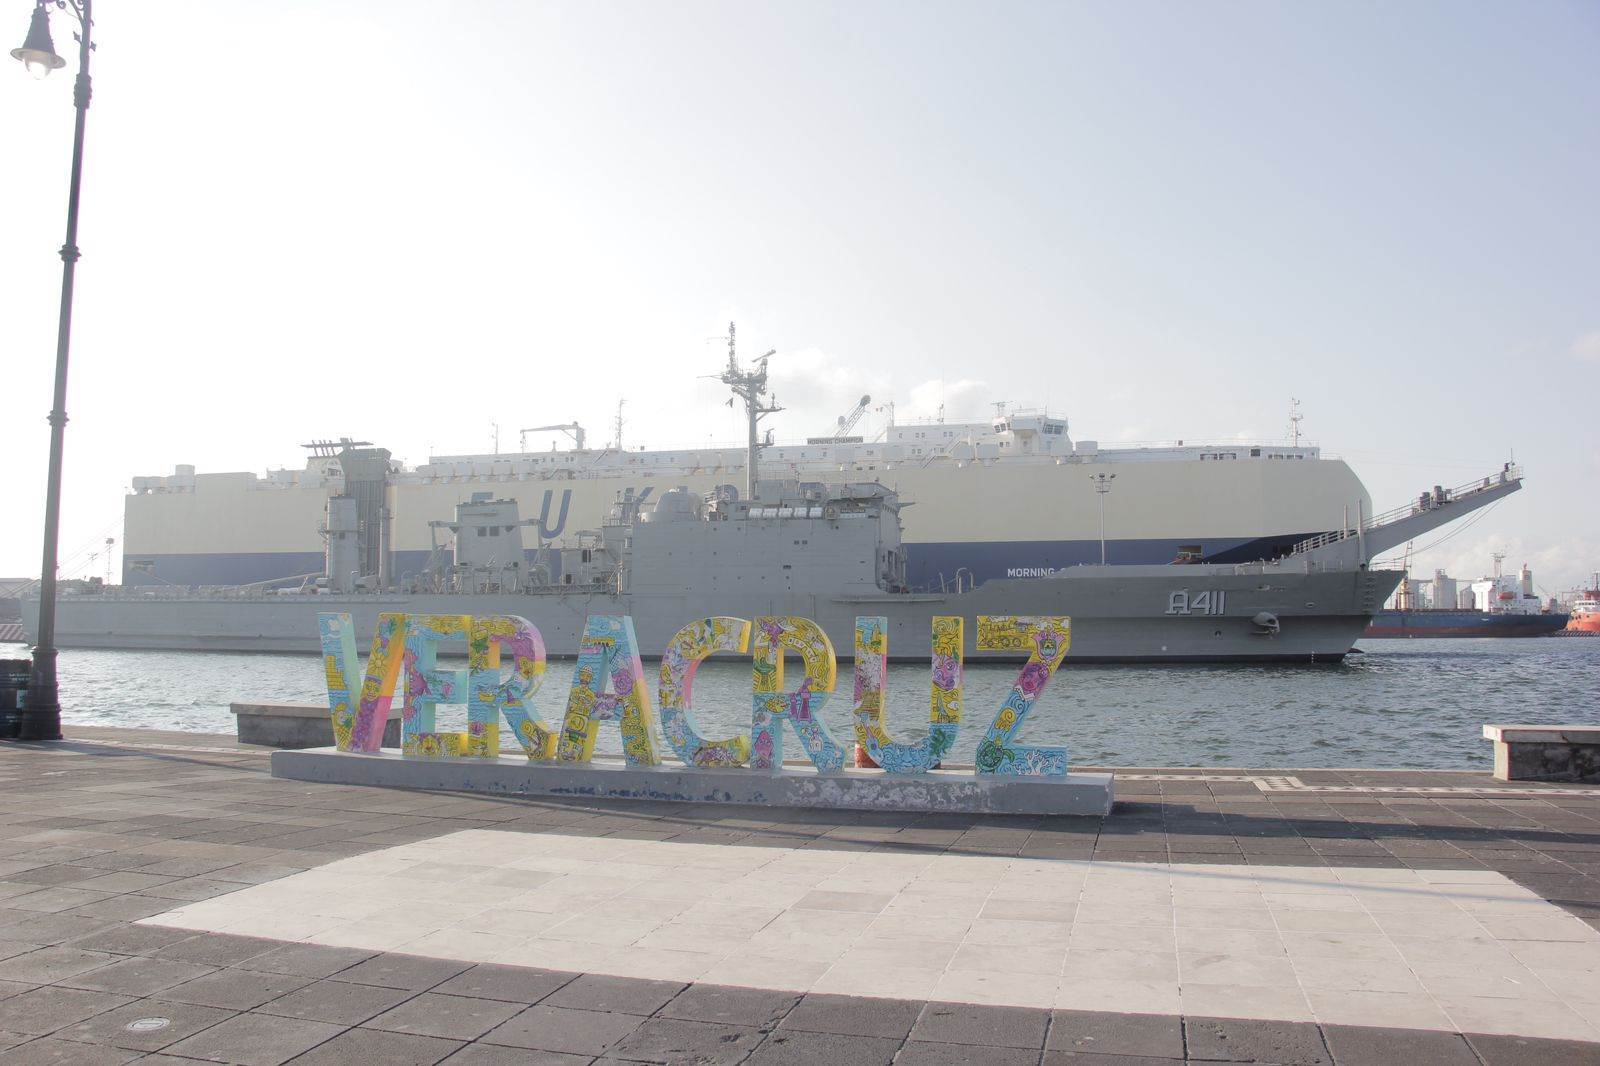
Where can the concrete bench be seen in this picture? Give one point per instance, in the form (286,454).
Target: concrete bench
(1545,752)
(295,725)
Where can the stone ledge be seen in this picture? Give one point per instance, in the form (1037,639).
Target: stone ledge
(943,791)
(1559,734)
(293,725)
(1545,752)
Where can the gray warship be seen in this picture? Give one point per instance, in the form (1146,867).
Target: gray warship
(777,547)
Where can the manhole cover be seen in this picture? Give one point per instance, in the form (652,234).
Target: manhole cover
(147,1025)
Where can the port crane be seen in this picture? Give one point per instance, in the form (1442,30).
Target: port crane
(571,429)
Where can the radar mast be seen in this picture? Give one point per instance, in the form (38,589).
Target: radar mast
(750,386)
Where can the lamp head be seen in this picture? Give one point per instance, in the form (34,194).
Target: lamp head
(38,52)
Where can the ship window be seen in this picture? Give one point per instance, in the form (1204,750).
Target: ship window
(482,532)
(1255,452)
(586,555)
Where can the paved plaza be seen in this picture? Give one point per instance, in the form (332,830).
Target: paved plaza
(164,899)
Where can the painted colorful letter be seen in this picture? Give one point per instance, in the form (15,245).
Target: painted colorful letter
(1046,640)
(872,686)
(512,692)
(609,652)
(688,648)
(360,711)
(771,705)
(427,686)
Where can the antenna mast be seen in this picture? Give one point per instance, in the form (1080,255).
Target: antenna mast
(616,426)
(1294,420)
(750,386)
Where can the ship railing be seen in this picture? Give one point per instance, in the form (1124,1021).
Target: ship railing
(1308,566)
(1423,502)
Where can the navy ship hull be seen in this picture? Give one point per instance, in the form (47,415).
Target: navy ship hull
(1120,614)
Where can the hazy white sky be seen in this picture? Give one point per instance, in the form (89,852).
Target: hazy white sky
(407,222)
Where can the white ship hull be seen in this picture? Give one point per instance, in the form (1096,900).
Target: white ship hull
(984,519)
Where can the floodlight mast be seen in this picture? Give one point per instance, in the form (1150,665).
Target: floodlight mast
(1102,485)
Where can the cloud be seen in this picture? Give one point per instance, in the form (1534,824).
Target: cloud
(816,388)
(964,400)
(1587,347)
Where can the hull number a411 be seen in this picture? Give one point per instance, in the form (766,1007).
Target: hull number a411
(1206,602)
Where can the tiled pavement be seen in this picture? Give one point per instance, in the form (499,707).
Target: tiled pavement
(97,837)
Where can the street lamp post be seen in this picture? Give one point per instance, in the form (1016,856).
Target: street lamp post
(1102,485)
(40,717)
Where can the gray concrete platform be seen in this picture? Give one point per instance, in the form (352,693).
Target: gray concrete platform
(113,826)
(873,790)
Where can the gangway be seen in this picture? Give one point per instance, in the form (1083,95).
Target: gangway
(1373,536)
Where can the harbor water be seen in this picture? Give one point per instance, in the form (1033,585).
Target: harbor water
(1417,704)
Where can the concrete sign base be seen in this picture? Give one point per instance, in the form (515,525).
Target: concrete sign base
(940,790)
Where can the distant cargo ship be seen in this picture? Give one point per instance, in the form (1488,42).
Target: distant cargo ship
(1446,623)
(1501,605)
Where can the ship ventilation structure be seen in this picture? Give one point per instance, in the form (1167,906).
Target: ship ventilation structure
(487,554)
(357,524)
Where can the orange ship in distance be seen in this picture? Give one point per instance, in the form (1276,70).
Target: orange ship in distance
(1586,609)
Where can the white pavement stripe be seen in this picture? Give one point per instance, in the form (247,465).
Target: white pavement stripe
(1291,783)
(152,745)
(1464,950)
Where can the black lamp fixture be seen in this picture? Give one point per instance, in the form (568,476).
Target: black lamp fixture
(38,52)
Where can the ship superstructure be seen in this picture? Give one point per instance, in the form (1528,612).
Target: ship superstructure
(1008,497)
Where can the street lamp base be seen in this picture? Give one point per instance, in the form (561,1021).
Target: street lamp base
(38,723)
(39,718)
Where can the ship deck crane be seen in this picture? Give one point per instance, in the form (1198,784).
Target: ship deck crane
(571,429)
(847,421)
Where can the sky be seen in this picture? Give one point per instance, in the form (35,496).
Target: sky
(409,223)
